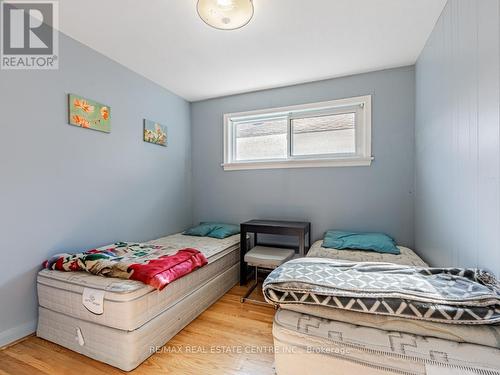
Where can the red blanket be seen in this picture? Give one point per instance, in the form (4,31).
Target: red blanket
(150,264)
(162,271)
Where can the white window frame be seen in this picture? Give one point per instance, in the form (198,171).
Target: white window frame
(361,105)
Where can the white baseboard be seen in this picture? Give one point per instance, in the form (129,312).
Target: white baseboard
(16,333)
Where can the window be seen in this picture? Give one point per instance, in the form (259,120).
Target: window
(334,133)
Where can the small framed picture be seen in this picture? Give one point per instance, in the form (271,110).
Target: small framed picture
(89,114)
(155,133)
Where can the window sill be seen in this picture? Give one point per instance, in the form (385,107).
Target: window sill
(354,162)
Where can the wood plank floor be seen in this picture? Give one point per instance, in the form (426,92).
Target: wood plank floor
(227,324)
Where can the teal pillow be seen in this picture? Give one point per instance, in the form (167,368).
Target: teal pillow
(379,242)
(201,230)
(214,230)
(224,230)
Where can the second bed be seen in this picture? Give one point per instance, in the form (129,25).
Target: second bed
(324,340)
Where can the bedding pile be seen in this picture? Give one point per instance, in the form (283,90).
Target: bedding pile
(379,313)
(151,264)
(444,295)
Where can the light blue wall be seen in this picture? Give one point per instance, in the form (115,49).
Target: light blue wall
(376,198)
(67,188)
(458,138)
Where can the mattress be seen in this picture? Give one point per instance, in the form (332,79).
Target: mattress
(308,344)
(406,257)
(129,304)
(487,335)
(127,349)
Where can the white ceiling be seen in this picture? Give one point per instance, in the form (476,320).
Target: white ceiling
(287,42)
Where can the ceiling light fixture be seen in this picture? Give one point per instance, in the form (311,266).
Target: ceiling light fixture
(225,14)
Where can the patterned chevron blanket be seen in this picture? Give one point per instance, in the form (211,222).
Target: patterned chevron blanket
(151,264)
(446,295)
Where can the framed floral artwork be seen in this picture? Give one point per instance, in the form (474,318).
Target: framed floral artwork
(155,133)
(89,114)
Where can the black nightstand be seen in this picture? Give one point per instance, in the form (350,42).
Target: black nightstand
(285,228)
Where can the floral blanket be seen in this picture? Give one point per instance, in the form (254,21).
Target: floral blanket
(151,264)
(445,295)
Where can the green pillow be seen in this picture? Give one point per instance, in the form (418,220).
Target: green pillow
(201,230)
(379,242)
(214,230)
(224,230)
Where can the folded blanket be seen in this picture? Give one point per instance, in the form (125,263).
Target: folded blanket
(151,264)
(446,295)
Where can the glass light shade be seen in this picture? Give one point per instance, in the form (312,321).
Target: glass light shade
(225,14)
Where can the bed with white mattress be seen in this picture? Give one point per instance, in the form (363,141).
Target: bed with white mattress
(120,322)
(324,340)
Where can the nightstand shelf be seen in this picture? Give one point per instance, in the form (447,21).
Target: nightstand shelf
(275,227)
